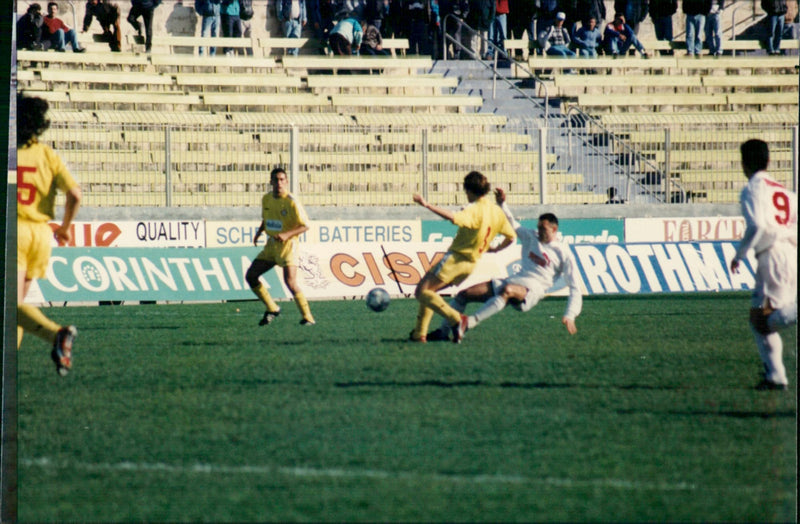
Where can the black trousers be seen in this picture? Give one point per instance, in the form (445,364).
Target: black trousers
(147,18)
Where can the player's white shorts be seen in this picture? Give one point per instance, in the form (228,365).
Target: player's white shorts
(776,277)
(532,297)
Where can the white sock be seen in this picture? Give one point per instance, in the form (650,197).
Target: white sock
(781,318)
(770,348)
(491,307)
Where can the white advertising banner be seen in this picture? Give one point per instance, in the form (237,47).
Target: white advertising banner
(145,233)
(684,229)
(352,269)
(241,233)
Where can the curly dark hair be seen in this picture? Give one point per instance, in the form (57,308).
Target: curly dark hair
(31,118)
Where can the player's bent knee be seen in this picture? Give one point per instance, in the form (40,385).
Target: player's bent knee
(251,277)
(513,292)
(758,319)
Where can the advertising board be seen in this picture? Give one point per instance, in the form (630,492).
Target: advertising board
(346,270)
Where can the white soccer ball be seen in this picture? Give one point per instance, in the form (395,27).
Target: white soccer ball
(377,299)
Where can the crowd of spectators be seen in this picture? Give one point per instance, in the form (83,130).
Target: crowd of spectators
(571,28)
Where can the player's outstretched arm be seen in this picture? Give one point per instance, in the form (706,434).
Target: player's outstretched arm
(444,213)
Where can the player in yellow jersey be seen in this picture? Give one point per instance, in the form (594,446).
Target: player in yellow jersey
(40,174)
(283,219)
(478,223)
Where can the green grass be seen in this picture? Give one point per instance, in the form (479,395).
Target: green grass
(193,413)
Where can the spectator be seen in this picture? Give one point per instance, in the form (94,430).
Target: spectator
(58,32)
(434,29)
(480,17)
(145,10)
(619,37)
(555,39)
(345,38)
(314,15)
(246,14)
(661,12)
(375,11)
(107,15)
(545,14)
(613,197)
(293,17)
(776,13)
(522,21)
(499,28)
(416,17)
(29,29)
(209,10)
(230,11)
(372,41)
(695,11)
(326,17)
(570,10)
(592,9)
(459,9)
(356,8)
(713,32)
(635,11)
(588,39)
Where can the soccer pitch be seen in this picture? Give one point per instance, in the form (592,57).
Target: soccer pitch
(194,413)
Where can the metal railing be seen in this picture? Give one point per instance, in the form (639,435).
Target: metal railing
(213,165)
(458,46)
(200,165)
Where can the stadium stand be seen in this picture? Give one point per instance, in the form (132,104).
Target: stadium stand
(370,130)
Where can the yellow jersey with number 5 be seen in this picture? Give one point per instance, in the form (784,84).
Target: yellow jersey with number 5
(478,224)
(40,174)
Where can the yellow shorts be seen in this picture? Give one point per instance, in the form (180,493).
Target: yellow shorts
(33,248)
(453,269)
(280,253)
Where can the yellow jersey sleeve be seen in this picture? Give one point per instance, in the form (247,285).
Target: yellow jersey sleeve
(40,175)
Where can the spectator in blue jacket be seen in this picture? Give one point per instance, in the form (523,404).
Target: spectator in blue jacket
(293,17)
(588,39)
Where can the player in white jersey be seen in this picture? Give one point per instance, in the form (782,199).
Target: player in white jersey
(770,214)
(544,259)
